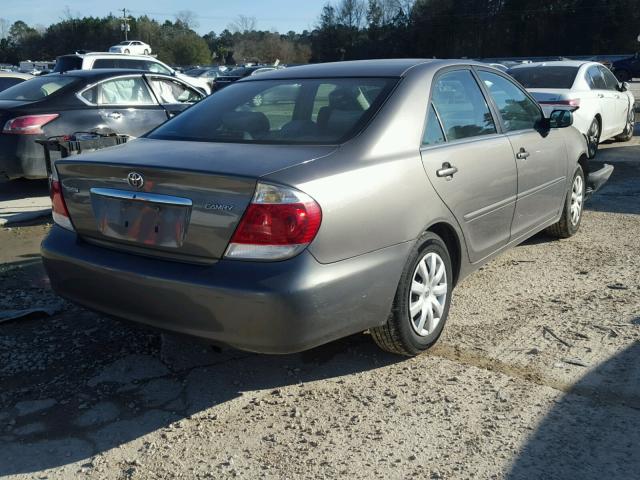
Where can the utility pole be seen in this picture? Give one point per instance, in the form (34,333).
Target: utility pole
(124,26)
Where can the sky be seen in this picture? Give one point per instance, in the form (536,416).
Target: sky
(280,15)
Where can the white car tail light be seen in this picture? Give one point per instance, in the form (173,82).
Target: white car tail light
(279,223)
(58,207)
(28,124)
(573,102)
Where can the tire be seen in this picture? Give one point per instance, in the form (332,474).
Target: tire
(627,133)
(623,75)
(593,138)
(399,334)
(146,52)
(126,50)
(568,224)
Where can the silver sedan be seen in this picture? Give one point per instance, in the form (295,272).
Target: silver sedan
(356,201)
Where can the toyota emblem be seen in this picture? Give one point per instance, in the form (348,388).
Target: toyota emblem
(135,179)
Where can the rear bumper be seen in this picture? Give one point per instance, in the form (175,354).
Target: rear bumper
(277,307)
(21,156)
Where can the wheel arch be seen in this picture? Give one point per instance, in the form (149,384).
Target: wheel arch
(451,239)
(598,116)
(583,161)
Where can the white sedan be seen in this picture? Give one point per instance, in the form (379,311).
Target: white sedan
(603,106)
(131,46)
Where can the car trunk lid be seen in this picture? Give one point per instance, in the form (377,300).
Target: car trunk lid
(556,98)
(171,199)
(550,94)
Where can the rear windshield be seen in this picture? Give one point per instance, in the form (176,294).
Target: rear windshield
(545,77)
(37,88)
(6,82)
(64,64)
(305,111)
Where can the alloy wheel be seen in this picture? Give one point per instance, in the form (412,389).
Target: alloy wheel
(428,294)
(577,194)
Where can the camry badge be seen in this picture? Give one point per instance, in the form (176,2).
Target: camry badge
(135,180)
(218,206)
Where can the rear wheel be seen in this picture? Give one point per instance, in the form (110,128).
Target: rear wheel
(421,304)
(569,222)
(593,138)
(627,133)
(146,52)
(126,50)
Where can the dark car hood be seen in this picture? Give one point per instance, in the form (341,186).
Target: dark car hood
(221,158)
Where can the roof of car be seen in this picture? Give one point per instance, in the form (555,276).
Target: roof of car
(100,73)
(553,63)
(108,54)
(395,67)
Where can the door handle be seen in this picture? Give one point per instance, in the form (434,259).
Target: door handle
(114,115)
(522,154)
(447,171)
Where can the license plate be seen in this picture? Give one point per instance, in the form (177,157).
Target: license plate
(141,218)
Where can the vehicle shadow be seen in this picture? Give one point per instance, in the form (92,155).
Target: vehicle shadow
(621,193)
(593,432)
(22,188)
(85,384)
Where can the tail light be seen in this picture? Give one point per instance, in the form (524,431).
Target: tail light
(574,102)
(58,207)
(29,124)
(279,223)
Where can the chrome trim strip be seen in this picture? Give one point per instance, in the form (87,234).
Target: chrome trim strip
(142,197)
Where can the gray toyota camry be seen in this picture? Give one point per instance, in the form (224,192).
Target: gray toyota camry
(354,201)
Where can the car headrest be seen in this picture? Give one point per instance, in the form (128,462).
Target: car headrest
(344,99)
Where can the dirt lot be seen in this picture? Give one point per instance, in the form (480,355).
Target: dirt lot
(537,376)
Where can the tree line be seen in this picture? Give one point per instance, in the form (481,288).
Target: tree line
(356,29)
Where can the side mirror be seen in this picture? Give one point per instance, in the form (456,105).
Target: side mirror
(623,86)
(560,119)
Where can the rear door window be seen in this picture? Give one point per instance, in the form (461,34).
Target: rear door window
(517,110)
(597,80)
(462,108)
(120,91)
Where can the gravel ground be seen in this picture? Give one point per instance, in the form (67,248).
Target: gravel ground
(537,376)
